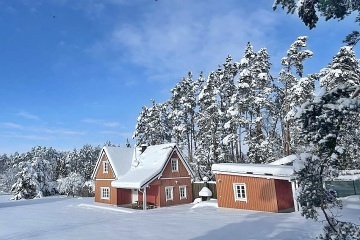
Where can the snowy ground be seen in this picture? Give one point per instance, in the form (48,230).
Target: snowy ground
(73,218)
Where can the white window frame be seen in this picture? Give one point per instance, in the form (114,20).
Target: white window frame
(184,188)
(170,190)
(105,193)
(242,195)
(174,165)
(105,166)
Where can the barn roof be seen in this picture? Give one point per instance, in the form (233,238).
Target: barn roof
(120,159)
(146,166)
(255,170)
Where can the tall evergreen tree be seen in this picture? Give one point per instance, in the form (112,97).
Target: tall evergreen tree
(327,125)
(182,105)
(295,90)
(207,119)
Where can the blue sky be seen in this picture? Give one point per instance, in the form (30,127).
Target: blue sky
(78,72)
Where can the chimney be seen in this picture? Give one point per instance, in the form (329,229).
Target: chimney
(143,147)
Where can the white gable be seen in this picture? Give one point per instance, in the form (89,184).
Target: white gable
(120,159)
(145,166)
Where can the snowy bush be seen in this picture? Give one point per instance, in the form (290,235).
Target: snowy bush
(71,185)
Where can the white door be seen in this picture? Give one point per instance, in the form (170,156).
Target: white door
(134,195)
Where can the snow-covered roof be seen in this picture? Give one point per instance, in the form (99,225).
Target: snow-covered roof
(120,159)
(285,160)
(145,167)
(256,170)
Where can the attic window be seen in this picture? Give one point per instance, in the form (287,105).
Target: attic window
(105,167)
(174,165)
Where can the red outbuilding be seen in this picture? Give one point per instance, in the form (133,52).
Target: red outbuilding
(255,187)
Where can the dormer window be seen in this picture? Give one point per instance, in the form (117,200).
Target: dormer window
(174,165)
(105,167)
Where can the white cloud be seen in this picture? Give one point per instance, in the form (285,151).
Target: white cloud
(12,125)
(28,115)
(174,37)
(101,122)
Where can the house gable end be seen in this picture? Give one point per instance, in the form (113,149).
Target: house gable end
(98,171)
(181,171)
(181,163)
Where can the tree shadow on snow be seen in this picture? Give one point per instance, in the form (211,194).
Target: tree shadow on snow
(259,226)
(25,202)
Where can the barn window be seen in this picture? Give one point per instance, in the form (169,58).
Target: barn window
(169,193)
(174,165)
(105,167)
(240,192)
(105,193)
(182,191)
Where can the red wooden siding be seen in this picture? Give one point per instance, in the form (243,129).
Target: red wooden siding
(175,179)
(105,183)
(99,174)
(168,173)
(152,195)
(113,194)
(284,194)
(175,183)
(261,194)
(123,196)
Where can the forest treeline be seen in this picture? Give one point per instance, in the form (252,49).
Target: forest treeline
(241,112)
(45,171)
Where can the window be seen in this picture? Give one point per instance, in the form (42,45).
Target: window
(240,192)
(174,165)
(105,193)
(105,167)
(182,191)
(169,193)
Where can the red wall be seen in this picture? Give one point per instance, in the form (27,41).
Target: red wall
(261,195)
(123,196)
(284,194)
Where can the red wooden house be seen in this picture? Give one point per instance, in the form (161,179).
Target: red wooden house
(255,187)
(158,175)
(112,163)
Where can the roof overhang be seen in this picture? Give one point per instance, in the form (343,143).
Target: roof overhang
(254,170)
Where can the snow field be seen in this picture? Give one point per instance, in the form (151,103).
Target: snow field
(80,218)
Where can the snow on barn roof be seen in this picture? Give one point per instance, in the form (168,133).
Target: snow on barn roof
(285,160)
(145,167)
(257,170)
(120,159)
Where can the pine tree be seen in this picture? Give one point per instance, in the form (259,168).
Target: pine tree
(207,119)
(228,132)
(327,125)
(26,184)
(182,113)
(295,90)
(324,121)
(34,179)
